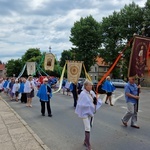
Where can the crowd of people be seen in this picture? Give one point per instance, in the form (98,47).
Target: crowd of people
(86,102)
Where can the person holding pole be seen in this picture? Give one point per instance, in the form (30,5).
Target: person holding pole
(131,96)
(87,105)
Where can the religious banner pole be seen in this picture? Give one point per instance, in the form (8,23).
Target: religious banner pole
(138,59)
(114,64)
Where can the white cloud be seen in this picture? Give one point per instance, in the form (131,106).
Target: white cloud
(43,23)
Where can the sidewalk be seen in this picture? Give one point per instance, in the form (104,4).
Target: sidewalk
(15,134)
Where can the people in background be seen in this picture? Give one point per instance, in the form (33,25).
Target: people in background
(15,89)
(45,94)
(109,88)
(73,89)
(6,81)
(21,90)
(10,87)
(29,89)
(63,85)
(1,85)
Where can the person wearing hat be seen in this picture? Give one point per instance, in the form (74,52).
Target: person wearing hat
(45,94)
(109,88)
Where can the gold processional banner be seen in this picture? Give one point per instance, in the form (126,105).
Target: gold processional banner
(74,70)
(139,57)
(49,61)
(30,68)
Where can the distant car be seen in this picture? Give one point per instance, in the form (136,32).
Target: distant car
(118,82)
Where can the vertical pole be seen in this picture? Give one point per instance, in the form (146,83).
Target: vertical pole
(138,93)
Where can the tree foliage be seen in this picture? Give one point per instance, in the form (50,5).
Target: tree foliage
(32,54)
(86,40)
(14,67)
(117,29)
(147,18)
(65,55)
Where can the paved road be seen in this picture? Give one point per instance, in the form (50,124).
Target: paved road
(64,131)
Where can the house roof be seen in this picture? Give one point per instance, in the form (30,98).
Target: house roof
(2,67)
(100,62)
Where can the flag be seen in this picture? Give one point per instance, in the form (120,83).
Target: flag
(74,70)
(49,61)
(148,59)
(138,56)
(31,68)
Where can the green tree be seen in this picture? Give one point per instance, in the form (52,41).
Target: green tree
(116,30)
(14,67)
(147,18)
(32,54)
(85,36)
(65,55)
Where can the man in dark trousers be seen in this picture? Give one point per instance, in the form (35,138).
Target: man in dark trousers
(73,89)
(45,94)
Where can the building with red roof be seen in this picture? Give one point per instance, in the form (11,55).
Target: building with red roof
(2,70)
(98,69)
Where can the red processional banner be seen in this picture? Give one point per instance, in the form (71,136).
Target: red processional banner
(140,56)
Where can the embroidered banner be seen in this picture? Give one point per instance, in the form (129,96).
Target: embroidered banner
(138,56)
(148,60)
(74,70)
(49,61)
(30,68)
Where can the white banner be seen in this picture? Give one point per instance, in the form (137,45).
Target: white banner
(49,61)
(30,68)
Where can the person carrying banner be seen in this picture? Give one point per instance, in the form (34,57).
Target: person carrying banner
(45,94)
(131,91)
(87,105)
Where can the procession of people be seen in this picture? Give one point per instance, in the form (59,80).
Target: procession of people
(86,102)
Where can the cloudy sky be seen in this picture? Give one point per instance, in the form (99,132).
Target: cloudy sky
(42,24)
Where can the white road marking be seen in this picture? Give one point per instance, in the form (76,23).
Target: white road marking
(114,99)
(126,108)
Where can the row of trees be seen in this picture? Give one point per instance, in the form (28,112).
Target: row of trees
(91,39)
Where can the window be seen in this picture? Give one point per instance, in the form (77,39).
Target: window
(95,69)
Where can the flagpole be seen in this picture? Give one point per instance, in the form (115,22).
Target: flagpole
(114,64)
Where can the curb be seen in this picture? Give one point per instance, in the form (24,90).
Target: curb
(28,128)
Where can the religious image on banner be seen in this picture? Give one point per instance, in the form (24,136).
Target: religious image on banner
(138,57)
(30,68)
(49,61)
(74,70)
(148,60)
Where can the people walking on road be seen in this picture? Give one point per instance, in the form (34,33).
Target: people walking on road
(45,94)
(10,87)
(131,96)
(63,85)
(21,90)
(87,105)
(73,89)
(1,85)
(15,89)
(109,88)
(6,81)
(29,89)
